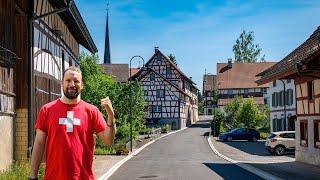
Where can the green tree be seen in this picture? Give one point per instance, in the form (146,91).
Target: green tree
(218,118)
(249,114)
(245,50)
(99,85)
(173,59)
(231,113)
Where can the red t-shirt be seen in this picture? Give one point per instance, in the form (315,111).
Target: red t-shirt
(69,145)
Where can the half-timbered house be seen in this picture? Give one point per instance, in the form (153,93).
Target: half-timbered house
(238,79)
(42,37)
(209,90)
(170,94)
(303,65)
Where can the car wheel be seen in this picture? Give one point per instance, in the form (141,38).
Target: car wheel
(279,150)
(229,138)
(254,139)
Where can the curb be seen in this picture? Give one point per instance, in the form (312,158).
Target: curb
(258,172)
(136,152)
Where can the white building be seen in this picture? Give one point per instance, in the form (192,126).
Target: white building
(282,105)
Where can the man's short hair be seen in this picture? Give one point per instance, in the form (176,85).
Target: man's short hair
(72,68)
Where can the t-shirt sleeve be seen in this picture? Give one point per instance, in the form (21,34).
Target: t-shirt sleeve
(41,122)
(99,122)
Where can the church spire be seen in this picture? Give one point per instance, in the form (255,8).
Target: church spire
(107,59)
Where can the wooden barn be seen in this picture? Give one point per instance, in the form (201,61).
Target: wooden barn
(40,38)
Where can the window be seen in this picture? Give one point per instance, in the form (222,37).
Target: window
(152,77)
(288,81)
(246,91)
(156,108)
(145,92)
(310,90)
(229,91)
(317,134)
(287,135)
(304,133)
(289,97)
(158,58)
(274,83)
(160,93)
(273,99)
(168,71)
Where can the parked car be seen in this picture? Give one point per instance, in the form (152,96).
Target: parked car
(279,143)
(249,134)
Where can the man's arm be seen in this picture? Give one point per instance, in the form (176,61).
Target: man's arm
(108,135)
(37,152)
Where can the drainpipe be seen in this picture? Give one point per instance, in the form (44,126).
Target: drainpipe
(30,79)
(284,103)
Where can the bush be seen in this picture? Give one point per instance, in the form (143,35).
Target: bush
(20,171)
(218,117)
(104,151)
(166,128)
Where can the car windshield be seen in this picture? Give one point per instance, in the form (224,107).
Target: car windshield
(234,130)
(271,136)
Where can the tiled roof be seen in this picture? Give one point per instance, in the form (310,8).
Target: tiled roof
(241,75)
(119,71)
(287,66)
(209,82)
(258,100)
(134,71)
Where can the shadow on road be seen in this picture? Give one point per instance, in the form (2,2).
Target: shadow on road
(201,124)
(206,134)
(254,148)
(290,170)
(230,171)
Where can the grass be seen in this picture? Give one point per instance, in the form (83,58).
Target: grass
(20,171)
(104,151)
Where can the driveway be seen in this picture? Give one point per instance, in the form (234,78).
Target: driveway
(254,154)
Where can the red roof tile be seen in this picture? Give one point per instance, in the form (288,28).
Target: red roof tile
(241,75)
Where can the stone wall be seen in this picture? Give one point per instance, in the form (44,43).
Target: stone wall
(21,135)
(6,140)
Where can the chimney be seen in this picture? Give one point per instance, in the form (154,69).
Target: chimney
(229,63)
(156,49)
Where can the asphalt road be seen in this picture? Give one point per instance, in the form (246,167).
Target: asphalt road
(183,155)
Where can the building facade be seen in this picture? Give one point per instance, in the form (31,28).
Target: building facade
(171,96)
(282,106)
(302,65)
(209,92)
(238,79)
(42,43)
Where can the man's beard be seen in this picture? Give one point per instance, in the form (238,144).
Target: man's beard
(71,94)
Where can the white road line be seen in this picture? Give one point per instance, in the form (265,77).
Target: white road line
(120,163)
(241,164)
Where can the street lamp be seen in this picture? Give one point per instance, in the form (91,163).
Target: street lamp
(130,95)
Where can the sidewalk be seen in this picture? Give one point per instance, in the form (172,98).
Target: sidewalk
(254,154)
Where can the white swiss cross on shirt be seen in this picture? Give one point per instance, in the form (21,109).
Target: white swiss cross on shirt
(69,121)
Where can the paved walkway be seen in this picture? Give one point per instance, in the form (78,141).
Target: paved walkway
(255,155)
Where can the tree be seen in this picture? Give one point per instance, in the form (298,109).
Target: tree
(218,118)
(99,85)
(231,113)
(245,50)
(173,59)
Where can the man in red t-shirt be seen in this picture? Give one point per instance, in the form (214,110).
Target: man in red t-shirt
(66,127)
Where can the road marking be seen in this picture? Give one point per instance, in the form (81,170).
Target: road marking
(114,168)
(262,174)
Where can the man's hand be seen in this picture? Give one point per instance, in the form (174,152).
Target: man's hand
(106,103)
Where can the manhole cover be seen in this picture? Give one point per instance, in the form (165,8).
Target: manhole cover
(151,176)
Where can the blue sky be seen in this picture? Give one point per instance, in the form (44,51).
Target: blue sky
(198,33)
